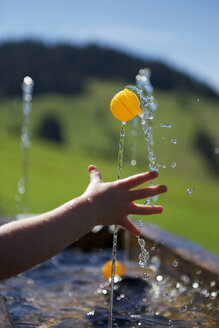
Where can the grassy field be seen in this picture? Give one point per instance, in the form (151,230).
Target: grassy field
(59,172)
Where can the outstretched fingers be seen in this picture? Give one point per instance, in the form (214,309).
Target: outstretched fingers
(130,227)
(136,180)
(144,209)
(147,192)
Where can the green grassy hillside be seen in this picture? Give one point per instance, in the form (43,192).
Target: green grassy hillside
(59,172)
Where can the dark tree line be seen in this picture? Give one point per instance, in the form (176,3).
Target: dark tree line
(63,68)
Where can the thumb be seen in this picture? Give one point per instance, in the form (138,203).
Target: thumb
(95,175)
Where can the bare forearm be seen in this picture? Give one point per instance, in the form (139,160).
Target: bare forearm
(28,242)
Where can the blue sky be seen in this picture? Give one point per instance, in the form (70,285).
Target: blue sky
(182,33)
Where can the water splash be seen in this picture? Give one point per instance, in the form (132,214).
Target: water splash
(143,87)
(190,191)
(148,107)
(195,285)
(115,234)
(134,133)
(143,91)
(145,276)
(144,255)
(175,263)
(159,278)
(141,224)
(143,80)
(22,196)
(184,308)
(165,125)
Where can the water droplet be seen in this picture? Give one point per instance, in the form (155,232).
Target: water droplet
(159,278)
(144,256)
(195,285)
(213,283)
(170,324)
(178,285)
(145,276)
(18,198)
(135,316)
(141,242)
(142,264)
(216,151)
(133,162)
(173,164)
(185,278)
(21,189)
(150,311)
(174,141)
(28,80)
(27,98)
(153,167)
(184,308)
(190,191)
(213,295)
(175,263)
(164,166)
(141,224)
(209,306)
(198,99)
(164,125)
(205,292)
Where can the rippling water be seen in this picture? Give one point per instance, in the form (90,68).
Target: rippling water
(69,291)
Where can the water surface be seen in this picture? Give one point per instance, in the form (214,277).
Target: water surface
(69,291)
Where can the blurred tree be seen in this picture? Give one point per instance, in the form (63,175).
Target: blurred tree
(63,68)
(50,129)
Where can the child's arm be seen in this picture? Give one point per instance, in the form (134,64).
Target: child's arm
(28,242)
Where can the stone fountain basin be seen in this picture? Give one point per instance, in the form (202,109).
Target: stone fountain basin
(193,260)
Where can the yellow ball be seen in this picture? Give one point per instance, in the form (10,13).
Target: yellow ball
(125,105)
(120,269)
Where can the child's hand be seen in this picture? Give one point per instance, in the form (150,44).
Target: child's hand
(111,202)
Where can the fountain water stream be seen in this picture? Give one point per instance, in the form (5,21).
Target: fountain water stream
(148,107)
(22,197)
(119,174)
